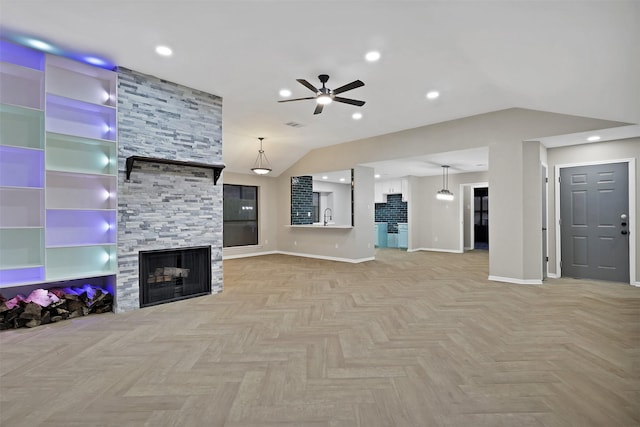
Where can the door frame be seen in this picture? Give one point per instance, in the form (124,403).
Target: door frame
(545,195)
(472,236)
(631,165)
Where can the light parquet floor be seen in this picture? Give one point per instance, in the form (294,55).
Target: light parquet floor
(411,339)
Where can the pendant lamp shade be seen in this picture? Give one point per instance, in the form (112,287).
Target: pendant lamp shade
(261,166)
(445,194)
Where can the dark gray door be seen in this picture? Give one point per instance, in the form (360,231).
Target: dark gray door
(594,204)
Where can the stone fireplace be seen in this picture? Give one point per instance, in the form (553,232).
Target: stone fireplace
(166,206)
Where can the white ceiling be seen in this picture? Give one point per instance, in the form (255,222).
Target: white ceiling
(571,57)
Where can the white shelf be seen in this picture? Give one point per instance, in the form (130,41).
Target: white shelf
(21,86)
(79,81)
(21,127)
(80,155)
(21,247)
(82,261)
(80,191)
(72,117)
(80,228)
(21,207)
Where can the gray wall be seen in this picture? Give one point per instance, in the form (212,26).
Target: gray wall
(267,213)
(514,177)
(164,206)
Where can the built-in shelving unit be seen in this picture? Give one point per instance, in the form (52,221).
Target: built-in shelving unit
(58,168)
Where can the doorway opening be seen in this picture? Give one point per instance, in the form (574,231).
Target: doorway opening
(481,218)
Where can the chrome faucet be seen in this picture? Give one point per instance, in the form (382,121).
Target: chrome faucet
(326,221)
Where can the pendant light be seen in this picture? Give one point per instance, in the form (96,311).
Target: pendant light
(261,167)
(445,194)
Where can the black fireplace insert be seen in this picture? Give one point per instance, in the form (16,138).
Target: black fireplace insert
(174,274)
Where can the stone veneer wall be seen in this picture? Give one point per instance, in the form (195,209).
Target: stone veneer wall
(166,206)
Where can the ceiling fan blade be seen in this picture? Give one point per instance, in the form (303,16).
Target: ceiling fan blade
(348,101)
(318,109)
(348,86)
(297,99)
(308,85)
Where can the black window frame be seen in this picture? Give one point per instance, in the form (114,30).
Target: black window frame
(226,231)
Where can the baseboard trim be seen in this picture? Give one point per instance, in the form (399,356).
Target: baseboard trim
(327,258)
(248,255)
(452,251)
(515,281)
(552,276)
(636,284)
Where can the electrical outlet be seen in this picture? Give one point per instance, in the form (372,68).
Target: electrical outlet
(336,246)
(266,242)
(295,243)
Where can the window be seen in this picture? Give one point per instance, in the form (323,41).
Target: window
(240,215)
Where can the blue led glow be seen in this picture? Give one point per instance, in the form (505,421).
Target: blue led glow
(47,47)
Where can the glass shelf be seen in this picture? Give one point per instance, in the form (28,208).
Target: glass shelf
(80,155)
(20,167)
(79,228)
(21,127)
(72,117)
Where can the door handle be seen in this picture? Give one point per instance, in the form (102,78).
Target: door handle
(624,232)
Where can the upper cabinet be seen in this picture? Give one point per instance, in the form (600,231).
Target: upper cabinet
(390,186)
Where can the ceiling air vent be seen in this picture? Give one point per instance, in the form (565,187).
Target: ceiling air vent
(294,124)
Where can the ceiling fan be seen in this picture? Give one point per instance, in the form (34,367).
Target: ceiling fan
(325,96)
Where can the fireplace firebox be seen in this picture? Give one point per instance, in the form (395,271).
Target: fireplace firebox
(174,274)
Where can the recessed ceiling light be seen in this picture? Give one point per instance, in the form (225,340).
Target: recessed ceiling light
(164,50)
(433,94)
(376,175)
(325,177)
(372,56)
(356,116)
(40,45)
(341,179)
(285,93)
(593,138)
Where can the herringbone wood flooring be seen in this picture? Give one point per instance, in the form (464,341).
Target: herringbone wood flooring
(411,339)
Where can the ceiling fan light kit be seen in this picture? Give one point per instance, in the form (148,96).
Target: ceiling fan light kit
(325,96)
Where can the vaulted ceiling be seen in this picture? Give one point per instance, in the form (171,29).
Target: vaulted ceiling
(571,57)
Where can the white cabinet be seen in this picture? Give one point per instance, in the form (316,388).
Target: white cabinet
(391,186)
(404,185)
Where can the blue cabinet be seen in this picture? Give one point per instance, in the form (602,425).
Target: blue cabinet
(403,235)
(381,235)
